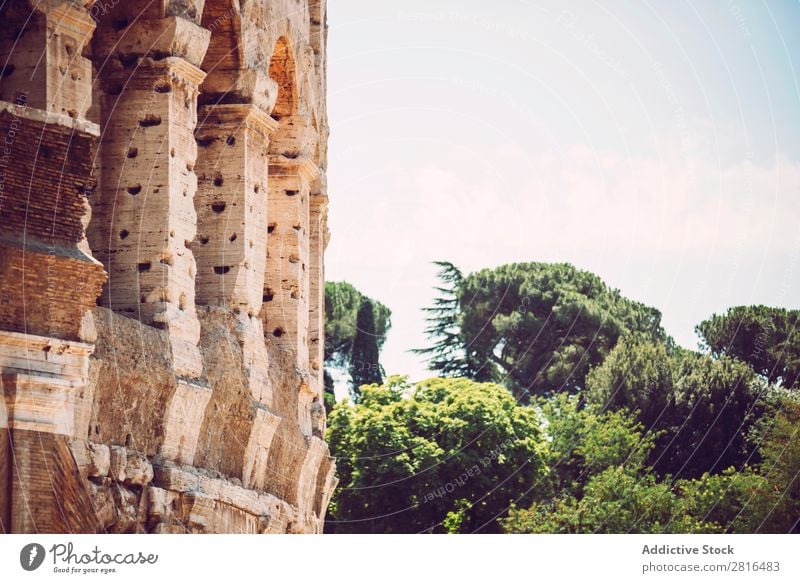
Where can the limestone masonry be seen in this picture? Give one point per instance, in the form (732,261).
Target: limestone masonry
(163,219)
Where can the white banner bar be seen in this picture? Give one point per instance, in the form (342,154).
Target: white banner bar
(370,558)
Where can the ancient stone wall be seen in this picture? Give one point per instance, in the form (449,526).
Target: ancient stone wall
(163,218)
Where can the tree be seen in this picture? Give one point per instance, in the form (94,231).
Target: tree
(449,355)
(536,327)
(768,339)
(444,454)
(343,302)
(582,441)
(365,367)
(700,408)
(615,501)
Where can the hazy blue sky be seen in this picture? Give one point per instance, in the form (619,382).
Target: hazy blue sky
(654,143)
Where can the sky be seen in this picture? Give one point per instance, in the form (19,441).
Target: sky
(656,144)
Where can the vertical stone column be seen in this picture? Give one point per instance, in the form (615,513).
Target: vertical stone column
(286,290)
(316,313)
(231,248)
(48,279)
(144,216)
(231,204)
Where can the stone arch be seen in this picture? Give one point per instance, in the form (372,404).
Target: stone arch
(282,71)
(223,60)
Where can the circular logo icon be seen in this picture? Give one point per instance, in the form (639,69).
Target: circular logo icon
(31,556)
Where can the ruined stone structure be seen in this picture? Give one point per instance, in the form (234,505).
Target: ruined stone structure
(162,230)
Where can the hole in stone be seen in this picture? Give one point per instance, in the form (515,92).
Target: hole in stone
(232,238)
(218,180)
(133,152)
(268,295)
(290,192)
(123,234)
(172,152)
(182,302)
(119,23)
(295,295)
(162,87)
(74,75)
(203,240)
(205,141)
(221,269)
(187,243)
(230,141)
(296,227)
(128,61)
(7,70)
(172,233)
(190,166)
(97,430)
(256,188)
(129,440)
(144,266)
(69,48)
(218,207)
(150,120)
(293,259)
(251,244)
(114,89)
(271,228)
(135,189)
(277,332)
(167,260)
(291,155)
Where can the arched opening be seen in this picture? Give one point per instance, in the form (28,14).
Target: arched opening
(222,62)
(282,71)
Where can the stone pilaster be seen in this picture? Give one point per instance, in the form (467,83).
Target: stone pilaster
(144,216)
(231,244)
(286,289)
(316,311)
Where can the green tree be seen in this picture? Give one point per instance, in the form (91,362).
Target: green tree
(536,327)
(614,501)
(768,339)
(440,455)
(365,366)
(342,305)
(582,441)
(449,355)
(700,408)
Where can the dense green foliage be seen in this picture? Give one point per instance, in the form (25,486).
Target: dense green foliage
(566,409)
(412,457)
(536,327)
(768,339)
(355,331)
(701,408)
(628,498)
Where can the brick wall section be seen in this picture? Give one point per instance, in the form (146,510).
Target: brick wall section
(45,174)
(47,493)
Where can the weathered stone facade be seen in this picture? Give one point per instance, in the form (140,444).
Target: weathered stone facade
(162,230)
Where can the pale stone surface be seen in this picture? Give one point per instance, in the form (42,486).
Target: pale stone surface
(173,154)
